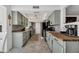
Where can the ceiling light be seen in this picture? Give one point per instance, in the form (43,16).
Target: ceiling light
(36,12)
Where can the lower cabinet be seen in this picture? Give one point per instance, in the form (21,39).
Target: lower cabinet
(49,41)
(20,38)
(57,48)
(57,45)
(72,46)
(26,36)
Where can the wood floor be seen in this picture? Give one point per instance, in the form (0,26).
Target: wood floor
(35,45)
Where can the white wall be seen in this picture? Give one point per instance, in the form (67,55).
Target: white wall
(72,10)
(38,28)
(3,20)
(8,26)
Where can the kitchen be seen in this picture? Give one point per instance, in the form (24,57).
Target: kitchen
(57,25)
(64,40)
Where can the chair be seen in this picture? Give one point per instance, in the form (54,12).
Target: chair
(2,41)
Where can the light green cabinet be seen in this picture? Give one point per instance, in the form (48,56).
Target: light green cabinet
(55,17)
(57,45)
(49,41)
(57,48)
(19,19)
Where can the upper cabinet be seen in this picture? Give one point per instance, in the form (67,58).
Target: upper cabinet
(14,17)
(55,17)
(51,18)
(19,19)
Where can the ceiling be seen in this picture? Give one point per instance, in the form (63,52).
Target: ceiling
(40,14)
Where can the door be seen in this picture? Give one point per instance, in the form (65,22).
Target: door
(57,48)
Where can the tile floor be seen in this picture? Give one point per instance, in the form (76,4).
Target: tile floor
(35,45)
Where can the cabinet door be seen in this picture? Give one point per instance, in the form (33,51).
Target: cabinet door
(28,35)
(72,46)
(57,17)
(57,48)
(51,18)
(48,39)
(47,36)
(51,42)
(19,18)
(24,37)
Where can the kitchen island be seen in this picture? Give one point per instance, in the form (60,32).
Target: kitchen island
(61,43)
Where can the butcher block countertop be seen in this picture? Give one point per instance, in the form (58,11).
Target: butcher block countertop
(64,37)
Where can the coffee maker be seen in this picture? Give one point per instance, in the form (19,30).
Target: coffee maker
(71,30)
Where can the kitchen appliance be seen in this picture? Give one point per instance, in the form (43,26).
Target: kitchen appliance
(71,19)
(50,28)
(46,27)
(71,30)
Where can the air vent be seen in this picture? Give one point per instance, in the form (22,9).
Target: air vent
(36,7)
(36,12)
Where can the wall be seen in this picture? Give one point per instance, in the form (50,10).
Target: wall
(9,28)
(6,26)
(3,20)
(72,10)
(38,28)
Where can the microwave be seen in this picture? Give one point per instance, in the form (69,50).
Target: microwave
(71,19)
